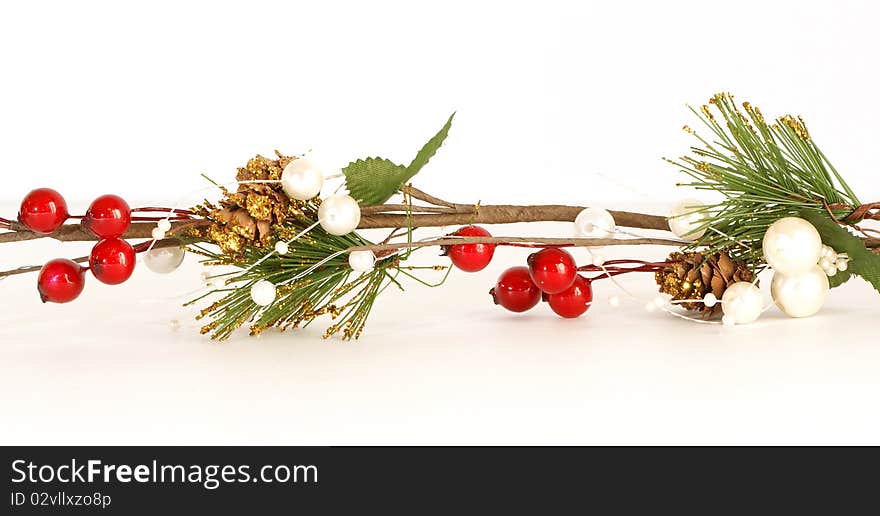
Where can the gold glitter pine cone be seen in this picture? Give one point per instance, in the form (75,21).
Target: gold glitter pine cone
(692,276)
(250,215)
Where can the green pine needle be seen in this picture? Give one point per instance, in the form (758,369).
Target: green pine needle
(764,171)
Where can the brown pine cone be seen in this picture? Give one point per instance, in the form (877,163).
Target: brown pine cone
(249,215)
(691,276)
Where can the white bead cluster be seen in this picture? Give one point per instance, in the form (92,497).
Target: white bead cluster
(831,262)
(801,266)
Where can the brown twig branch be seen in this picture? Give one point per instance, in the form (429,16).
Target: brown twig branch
(538,242)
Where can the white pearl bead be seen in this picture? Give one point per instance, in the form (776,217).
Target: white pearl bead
(709,300)
(825,263)
(175,324)
(800,295)
(263,293)
(361,261)
(614,301)
(281,247)
(339,214)
(157,234)
(792,245)
(743,302)
(164,225)
(164,260)
(831,270)
(685,219)
(842,264)
(302,179)
(594,223)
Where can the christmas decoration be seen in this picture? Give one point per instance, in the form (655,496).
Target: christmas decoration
(515,290)
(742,303)
(112,261)
(471,257)
(43,211)
(108,217)
(801,294)
(690,277)
(573,301)
(60,281)
(290,255)
(688,220)
(552,270)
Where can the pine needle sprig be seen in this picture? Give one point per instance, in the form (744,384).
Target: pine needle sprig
(313,279)
(764,171)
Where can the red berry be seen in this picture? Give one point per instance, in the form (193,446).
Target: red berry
(108,217)
(61,281)
(471,257)
(573,301)
(43,211)
(515,290)
(112,261)
(553,270)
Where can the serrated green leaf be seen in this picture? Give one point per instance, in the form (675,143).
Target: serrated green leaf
(429,149)
(373,180)
(862,262)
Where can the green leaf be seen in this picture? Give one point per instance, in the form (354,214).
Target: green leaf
(862,262)
(374,180)
(429,149)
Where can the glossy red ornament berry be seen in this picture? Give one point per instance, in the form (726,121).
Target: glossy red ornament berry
(112,261)
(471,257)
(61,281)
(553,270)
(573,301)
(43,211)
(515,290)
(108,217)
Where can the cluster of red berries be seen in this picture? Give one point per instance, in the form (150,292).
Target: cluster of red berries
(112,259)
(551,275)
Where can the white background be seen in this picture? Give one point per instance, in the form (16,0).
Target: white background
(562,102)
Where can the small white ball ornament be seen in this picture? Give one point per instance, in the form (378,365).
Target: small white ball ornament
(339,214)
(742,303)
(792,245)
(842,264)
(164,260)
(361,261)
(800,295)
(282,247)
(164,225)
(302,179)
(709,300)
(685,219)
(594,223)
(263,293)
(157,234)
